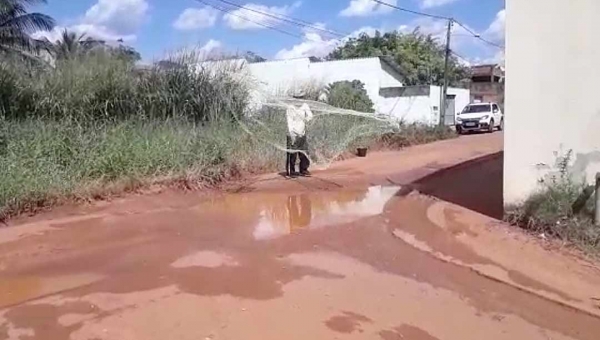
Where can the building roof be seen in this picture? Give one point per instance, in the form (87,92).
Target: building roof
(487,70)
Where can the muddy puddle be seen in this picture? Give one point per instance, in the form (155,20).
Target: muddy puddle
(283,214)
(365,263)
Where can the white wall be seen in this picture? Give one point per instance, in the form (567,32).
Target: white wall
(422,107)
(388,77)
(552,91)
(280,75)
(366,70)
(462,99)
(413,109)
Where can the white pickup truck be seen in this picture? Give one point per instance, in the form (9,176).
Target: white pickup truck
(480,117)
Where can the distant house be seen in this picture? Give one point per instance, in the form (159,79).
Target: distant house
(381,76)
(487,84)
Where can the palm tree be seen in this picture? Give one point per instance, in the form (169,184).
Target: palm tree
(72,44)
(16,25)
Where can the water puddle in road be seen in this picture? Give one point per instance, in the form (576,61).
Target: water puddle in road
(282,214)
(207,259)
(234,247)
(17,290)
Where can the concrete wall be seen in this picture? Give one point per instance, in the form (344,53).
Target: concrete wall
(388,77)
(366,70)
(419,104)
(280,75)
(462,99)
(413,109)
(552,91)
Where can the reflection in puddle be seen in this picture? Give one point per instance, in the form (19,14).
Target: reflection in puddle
(208,259)
(320,210)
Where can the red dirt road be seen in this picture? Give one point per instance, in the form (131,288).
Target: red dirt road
(347,254)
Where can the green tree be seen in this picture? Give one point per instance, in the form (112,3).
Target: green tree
(71,45)
(420,56)
(252,57)
(16,25)
(126,53)
(349,95)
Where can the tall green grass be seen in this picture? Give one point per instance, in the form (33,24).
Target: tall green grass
(95,125)
(100,87)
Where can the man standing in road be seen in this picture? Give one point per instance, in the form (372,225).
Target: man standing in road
(297,146)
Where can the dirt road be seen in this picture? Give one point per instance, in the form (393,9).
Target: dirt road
(347,254)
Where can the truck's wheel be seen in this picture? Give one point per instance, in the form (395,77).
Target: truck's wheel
(491,127)
(501,127)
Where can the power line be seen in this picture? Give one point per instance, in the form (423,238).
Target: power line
(411,11)
(470,31)
(228,11)
(285,18)
(459,56)
(478,36)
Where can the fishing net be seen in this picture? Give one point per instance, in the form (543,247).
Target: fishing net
(331,132)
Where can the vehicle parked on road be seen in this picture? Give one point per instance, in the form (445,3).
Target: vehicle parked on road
(480,117)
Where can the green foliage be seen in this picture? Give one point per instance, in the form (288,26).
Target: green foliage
(72,45)
(415,134)
(549,211)
(126,53)
(16,25)
(100,86)
(420,57)
(349,95)
(252,57)
(44,161)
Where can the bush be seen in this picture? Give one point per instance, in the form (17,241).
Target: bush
(550,210)
(349,95)
(415,134)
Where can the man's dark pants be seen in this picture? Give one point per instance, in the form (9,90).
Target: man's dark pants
(297,143)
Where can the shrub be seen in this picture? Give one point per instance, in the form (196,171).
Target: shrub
(550,210)
(349,95)
(415,134)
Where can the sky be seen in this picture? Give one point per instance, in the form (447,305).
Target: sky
(157,28)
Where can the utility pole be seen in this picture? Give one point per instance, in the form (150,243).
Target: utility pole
(597,201)
(446,62)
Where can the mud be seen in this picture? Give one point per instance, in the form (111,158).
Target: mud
(357,262)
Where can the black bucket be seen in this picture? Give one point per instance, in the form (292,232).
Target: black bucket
(361,152)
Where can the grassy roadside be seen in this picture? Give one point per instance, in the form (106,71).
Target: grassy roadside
(549,213)
(46,163)
(94,126)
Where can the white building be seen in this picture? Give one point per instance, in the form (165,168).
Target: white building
(552,91)
(421,103)
(381,76)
